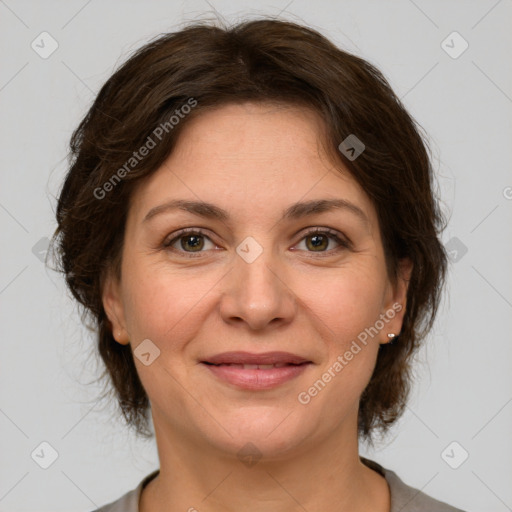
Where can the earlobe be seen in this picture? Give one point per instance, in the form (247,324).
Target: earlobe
(114,310)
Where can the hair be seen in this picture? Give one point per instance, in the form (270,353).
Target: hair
(265,60)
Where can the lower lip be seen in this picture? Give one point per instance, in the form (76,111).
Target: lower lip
(256,379)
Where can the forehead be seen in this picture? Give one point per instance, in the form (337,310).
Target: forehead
(250,156)
(263,130)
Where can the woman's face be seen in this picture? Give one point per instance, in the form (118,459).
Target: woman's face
(251,277)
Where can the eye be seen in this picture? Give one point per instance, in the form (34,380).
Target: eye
(193,240)
(188,241)
(317,240)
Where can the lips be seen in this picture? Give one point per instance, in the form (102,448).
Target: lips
(249,371)
(275,359)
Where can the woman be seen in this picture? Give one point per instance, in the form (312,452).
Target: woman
(249,219)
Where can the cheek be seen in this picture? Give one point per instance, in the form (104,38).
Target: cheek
(162,305)
(347,303)
(347,307)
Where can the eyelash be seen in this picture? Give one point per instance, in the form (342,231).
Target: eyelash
(333,235)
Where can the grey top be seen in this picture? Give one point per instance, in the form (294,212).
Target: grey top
(403,497)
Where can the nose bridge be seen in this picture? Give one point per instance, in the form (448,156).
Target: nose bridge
(257,293)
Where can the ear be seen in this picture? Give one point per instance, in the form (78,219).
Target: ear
(396,301)
(113,305)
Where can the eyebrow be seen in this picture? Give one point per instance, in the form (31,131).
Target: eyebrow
(295,211)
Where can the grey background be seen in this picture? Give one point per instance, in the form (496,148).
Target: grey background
(464,384)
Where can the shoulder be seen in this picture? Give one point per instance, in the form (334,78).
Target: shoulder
(408,499)
(129,502)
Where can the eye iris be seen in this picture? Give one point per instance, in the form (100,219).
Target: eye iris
(197,242)
(317,241)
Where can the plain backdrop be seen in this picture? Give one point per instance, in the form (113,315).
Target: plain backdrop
(454,441)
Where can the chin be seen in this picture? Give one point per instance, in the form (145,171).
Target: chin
(269,432)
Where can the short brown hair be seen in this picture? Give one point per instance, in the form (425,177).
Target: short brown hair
(262,60)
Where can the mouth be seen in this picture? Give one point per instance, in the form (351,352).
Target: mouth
(263,359)
(256,371)
(254,366)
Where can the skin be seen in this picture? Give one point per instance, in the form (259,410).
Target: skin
(294,297)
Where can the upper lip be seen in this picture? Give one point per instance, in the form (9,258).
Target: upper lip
(251,358)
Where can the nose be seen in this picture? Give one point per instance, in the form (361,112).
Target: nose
(256,294)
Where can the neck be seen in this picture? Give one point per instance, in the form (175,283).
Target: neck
(324,476)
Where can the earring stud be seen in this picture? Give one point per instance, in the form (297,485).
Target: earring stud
(391,335)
